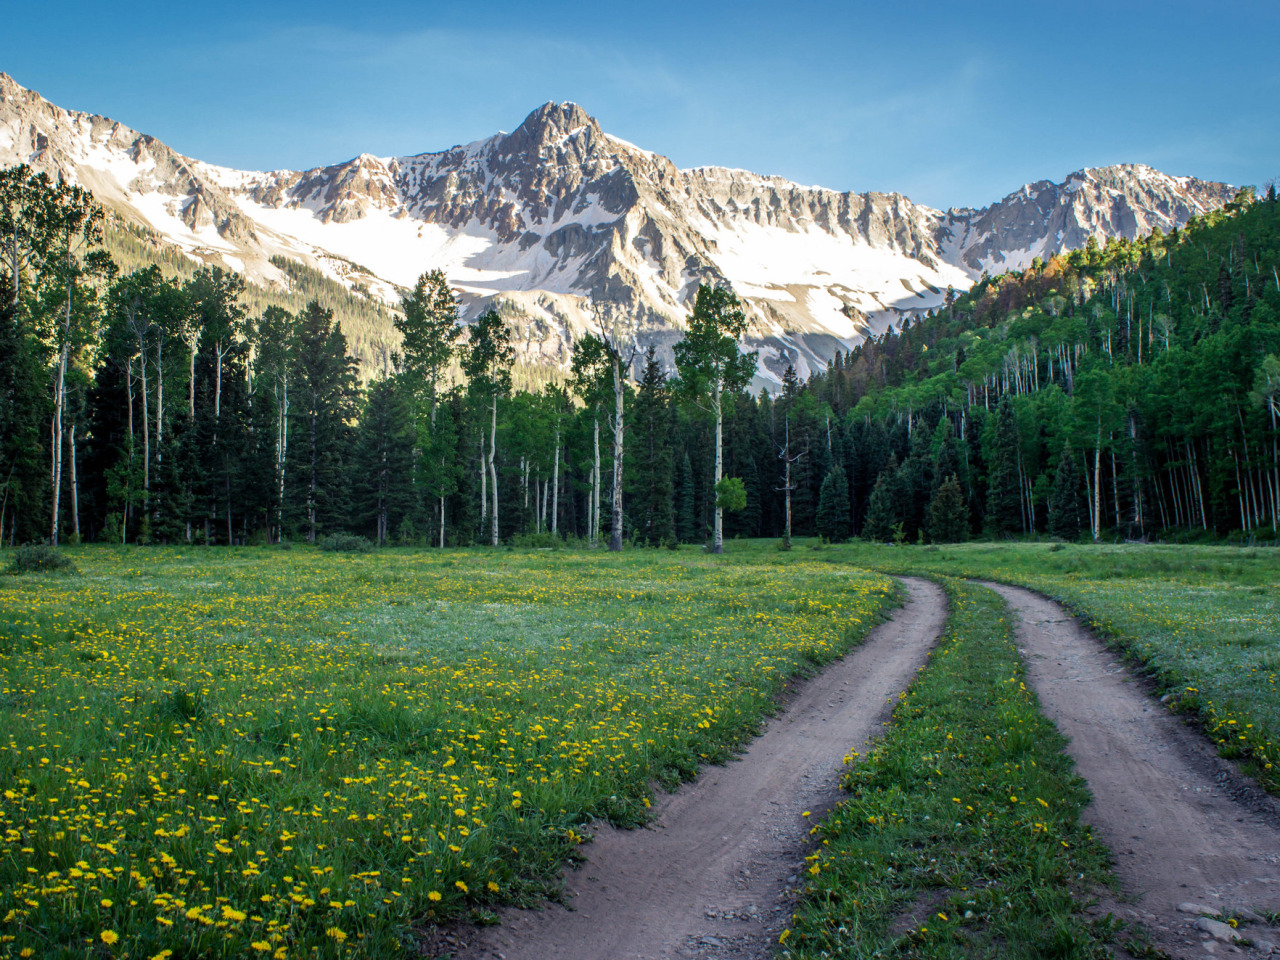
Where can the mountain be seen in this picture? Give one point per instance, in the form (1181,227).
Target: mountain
(558,216)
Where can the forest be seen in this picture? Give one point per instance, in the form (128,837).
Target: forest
(1129,390)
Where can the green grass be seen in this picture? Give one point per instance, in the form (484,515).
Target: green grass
(260,752)
(960,836)
(1202,622)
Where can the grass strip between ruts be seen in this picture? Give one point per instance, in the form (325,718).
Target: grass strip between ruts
(961,834)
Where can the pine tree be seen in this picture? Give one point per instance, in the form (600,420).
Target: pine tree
(882,510)
(325,407)
(383,459)
(1064,503)
(651,477)
(1004,499)
(948,513)
(833,518)
(686,514)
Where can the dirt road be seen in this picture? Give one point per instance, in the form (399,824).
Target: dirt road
(711,877)
(1185,828)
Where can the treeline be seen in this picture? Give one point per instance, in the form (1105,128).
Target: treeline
(1122,390)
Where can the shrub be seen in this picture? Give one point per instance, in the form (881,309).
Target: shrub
(40,559)
(345,543)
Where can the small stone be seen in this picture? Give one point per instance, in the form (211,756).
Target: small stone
(1209,946)
(1218,930)
(1264,947)
(1199,910)
(1244,913)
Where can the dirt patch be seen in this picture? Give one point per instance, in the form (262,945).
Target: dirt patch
(715,874)
(1185,828)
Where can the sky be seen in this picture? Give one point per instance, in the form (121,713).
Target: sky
(952,104)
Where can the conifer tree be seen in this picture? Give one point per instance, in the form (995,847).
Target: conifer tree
(383,458)
(833,518)
(1064,502)
(1004,499)
(651,486)
(325,407)
(948,513)
(883,509)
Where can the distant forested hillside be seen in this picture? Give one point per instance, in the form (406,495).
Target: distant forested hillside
(1140,376)
(1128,390)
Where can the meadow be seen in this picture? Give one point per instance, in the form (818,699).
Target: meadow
(284,753)
(1201,622)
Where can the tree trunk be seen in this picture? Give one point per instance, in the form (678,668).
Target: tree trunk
(484,486)
(595,487)
(555,485)
(146,422)
(442,523)
(717,543)
(75,487)
(615,534)
(55,472)
(1097,485)
(493,469)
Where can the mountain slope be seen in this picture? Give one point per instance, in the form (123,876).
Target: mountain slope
(558,216)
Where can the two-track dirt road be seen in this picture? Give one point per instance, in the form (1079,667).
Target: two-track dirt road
(709,878)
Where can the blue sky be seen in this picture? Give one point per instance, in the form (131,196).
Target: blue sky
(949,103)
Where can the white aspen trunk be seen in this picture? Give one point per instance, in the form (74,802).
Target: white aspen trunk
(595,486)
(493,469)
(146,420)
(442,523)
(191,402)
(591,517)
(56,431)
(615,534)
(1097,485)
(717,542)
(75,487)
(484,486)
(555,486)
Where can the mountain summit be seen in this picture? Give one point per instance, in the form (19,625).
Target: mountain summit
(558,218)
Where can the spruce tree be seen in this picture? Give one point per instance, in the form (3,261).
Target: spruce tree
(323,411)
(383,459)
(882,510)
(686,513)
(833,518)
(651,475)
(1064,502)
(1004,498)
(948,513)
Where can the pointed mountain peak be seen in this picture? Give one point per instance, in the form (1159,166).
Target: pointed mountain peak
(551,125)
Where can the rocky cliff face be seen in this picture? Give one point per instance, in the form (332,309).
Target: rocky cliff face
(558,219)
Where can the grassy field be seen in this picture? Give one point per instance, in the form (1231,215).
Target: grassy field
(961,836)
(289,753)
(1203,622)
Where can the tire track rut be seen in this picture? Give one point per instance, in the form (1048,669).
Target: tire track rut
(713,875)
(1185,828)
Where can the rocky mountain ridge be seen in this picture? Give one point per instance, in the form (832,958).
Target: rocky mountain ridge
(558,221)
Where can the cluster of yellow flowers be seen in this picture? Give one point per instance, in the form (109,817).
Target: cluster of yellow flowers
(289,753)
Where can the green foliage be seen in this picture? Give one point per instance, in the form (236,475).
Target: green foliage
(731,495)
(40,559)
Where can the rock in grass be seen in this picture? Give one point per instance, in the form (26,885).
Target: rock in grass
(1199,910)
(1218,930)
